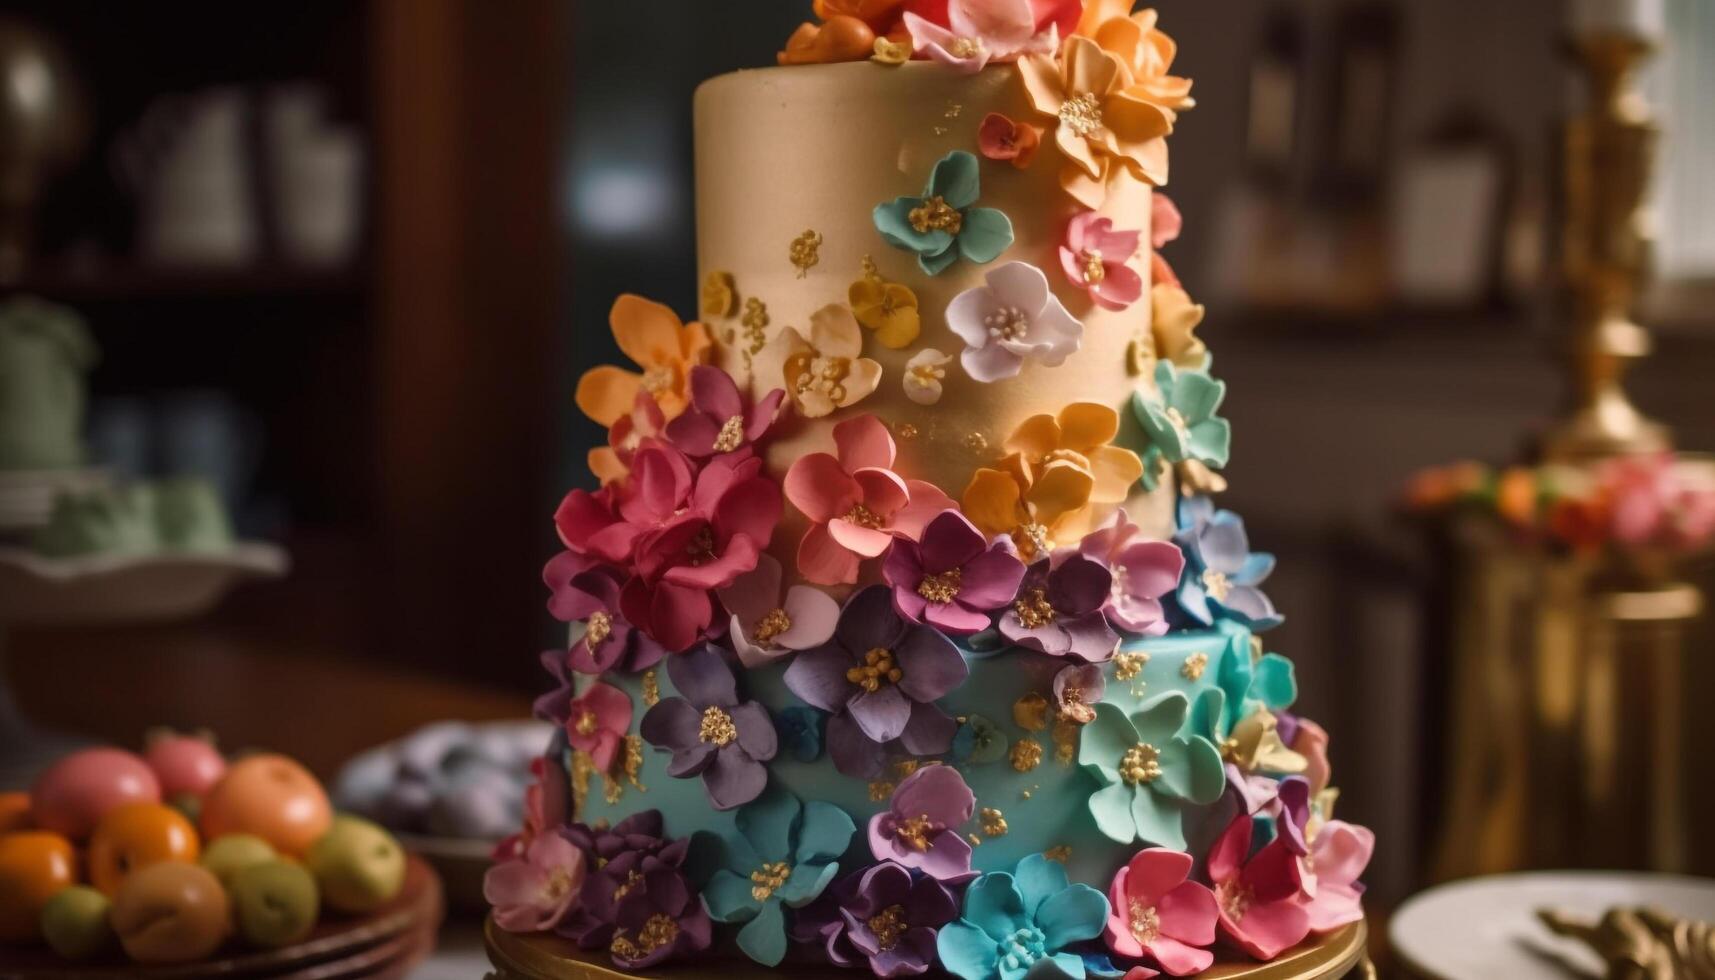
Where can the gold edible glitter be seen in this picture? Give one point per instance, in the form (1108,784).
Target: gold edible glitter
(993,822)
(1065,740)
(583,767)
(935,214)
(755,322)
(1129,665)
(1026,754)
(804,251)
(905,767)
(889,52)
(612,790)
(1193,667)
(879,790)
(1061,853)
(974,839)
(634,761)
(1025,794)
(953,110)
(1031,712)
(720,295)
(766,879)
(976,442)
(651,689)
(905,431)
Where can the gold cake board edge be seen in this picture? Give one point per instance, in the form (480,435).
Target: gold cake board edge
(543,956)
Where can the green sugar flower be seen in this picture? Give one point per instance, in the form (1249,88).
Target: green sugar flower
(1181,422)
(942,225)
(1150,774)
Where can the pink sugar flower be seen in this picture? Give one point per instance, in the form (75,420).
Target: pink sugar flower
(1143,570)
(1094,258)
(533,892)
(1311,741)
(1260,900)
(856,504)
(1165,223)
(608,523)
(718,420)
(597,721)
(1157,912)
(767,625)
(1339,853)
(982,31)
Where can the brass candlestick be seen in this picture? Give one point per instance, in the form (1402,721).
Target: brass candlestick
(1609,235)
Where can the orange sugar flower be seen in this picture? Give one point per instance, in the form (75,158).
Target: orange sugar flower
(1103,129)
(656,341)
(840,38)
(1146,51)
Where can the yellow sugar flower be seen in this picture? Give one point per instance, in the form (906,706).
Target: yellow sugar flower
(1103,129)
(823,372)
(888,308)
(1174,323)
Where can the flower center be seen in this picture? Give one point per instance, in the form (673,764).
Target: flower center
(731,435)
(1032,540)
(658,931)
(1033,609)
(925,375)
(766,879)
(558,884)
(889,926)
(1082,114)
(657,380)
(1094,271)
(1024,947)
(863,517)
(943,587)
(700,550)
(812,371)
(717,728)
(1007,323)
(1074,708)
(1217,584)
(586,724)
(1141,764)
(771,626)
(1235,899)
(1145,923)
(935,214)
(878,669)
(916,831)
(965,47)
(597,629)
(1176,419)
(632,880)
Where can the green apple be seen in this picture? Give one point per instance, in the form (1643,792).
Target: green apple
(225,856)
(75,923)
(275,903)
(359,866)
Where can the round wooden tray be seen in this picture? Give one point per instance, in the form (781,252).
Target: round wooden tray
(548,957)
(388,943)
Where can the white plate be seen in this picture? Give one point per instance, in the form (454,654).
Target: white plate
(1485,928)
(126,588)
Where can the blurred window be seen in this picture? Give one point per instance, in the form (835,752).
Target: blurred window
(1682,84)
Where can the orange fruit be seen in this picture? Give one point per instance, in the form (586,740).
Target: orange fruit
(14,812)
(34,866)
(271,797)
(136,835)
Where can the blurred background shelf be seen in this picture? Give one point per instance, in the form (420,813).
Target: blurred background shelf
(134,283)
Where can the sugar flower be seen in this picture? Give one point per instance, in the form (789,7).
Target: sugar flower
(800,731)
(710,732)
(780,853)
(1094,259)
(533,892)
(1102,129)
(1222,574)
(1159,913)
(587,592)
(718,420)
(1001,137)
(1180,419)
(979,742)
(1012,318)
(924,374)
(1260,895)
(920,827)
(768,624)
(627,861)
(1077,690)
(607,524)
(981,31)
(888,308)
(1150,774)
(1143,572)
(839,38)
(1059,610)
(888,919)
(1246,732)
(856,504)
(1311,741)
(823,373)
(596,722)
(954,579)
(1142,47)
(944,224)
(1165,224)
(658,343)
(1022,923)
(1173,324)
(612,462)
(879,677)
(1339,853)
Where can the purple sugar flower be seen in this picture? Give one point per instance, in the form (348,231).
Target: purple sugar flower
(635,902)
(665,921)
(820,923)
(717,420)
(892,920)
(920,827)
(1223,577)
(582,589)
(710,732)
(1143,572)
(954,577)
(1059,609)
(879,678)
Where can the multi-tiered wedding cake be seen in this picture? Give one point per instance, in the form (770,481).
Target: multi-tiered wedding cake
(909,632)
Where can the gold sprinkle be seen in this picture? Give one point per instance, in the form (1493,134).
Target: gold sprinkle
(1082,114)
(597,629)
(1129,665)
(953,108)
(658,930)
(768,878)
(915,831)
(634,761)
(1065,740)
(583,767)
(974,839)
(720,296)
(905,431)
(755,322)
(943,587)
(803,253)
(651,689)
(1094,272)
(976,442)
(935,214)
(731,435)
(1031,712)
(890,53)
(612,790)
(889,926)
(1061,853)
(1026,794)
(879,790)
(717,728)
(941,130)
(1141,764)
(993,822)
(1026,754)
(770,626)
(1033,609)
(1193,667)
(905,767)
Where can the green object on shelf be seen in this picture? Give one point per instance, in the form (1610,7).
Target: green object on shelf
(45,352)
(190,517)
(179,515)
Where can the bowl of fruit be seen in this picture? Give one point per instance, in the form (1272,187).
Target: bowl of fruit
(178,863)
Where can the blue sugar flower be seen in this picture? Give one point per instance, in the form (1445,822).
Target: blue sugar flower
(942,225)
(1222,574)
(1180,420)
(1022,923)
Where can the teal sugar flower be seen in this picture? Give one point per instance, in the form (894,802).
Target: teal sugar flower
(942,225)
(1019,924)
(1150,774)
(979,742)
(1180,420)
(780,852)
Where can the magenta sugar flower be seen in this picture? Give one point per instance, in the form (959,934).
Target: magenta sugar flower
(596,722)
(581,590)
(718,420)
(954,578)
(1059,610)
(1158,913)
(1094,259)
(1260,899)
(1143,571)
(920,827)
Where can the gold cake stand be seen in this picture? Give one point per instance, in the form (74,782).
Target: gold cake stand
(544,956)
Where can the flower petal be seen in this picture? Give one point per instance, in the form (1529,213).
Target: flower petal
(646,331)
(605,393)
(956,180)
(1072,915)
(862,442)
(985,235)
(824,561)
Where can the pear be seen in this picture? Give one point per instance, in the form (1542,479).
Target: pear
(229,854)
(359,866)
(275,903)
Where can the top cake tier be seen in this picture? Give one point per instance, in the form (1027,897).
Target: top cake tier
(797,171)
